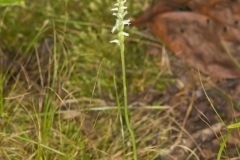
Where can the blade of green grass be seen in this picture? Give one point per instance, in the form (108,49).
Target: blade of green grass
(12,3)
(234,125)
(42,145)
(223,144)
(210,101)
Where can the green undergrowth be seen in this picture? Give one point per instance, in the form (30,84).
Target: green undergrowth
(60,102)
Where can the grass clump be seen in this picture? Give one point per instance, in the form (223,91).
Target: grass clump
(58,96)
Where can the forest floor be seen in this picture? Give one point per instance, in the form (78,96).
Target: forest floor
(58,90)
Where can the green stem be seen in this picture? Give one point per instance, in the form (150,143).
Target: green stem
(126,113)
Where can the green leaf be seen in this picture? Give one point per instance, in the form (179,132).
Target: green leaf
(12,2)
(235,125)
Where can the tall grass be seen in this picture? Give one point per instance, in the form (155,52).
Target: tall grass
(1,93)
(229,128)
(2,77)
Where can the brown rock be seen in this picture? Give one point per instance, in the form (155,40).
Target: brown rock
(206,38)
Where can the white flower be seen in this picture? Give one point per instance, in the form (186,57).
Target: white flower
(126,22)
(125,34)
(115,27)
(120,11)
(115,9)
(115,41)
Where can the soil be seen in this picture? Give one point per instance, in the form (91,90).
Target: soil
(201,128)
